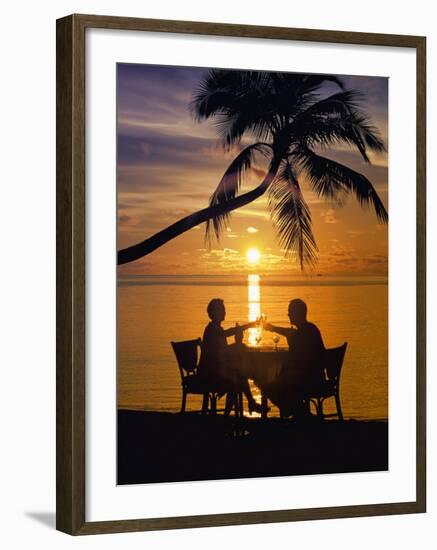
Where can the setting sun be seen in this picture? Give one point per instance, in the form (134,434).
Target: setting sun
(253,255)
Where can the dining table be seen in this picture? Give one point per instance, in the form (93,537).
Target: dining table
(263,365)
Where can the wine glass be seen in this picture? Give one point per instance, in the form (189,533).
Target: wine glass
(276,340)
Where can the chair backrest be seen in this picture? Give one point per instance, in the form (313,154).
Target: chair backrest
(334,361)
(186,355)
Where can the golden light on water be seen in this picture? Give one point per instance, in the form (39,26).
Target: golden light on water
(253,256)
(254,333)
(254,303)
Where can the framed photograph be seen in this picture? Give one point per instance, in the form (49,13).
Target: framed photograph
(240,274)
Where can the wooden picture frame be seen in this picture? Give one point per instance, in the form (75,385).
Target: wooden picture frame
(71,254)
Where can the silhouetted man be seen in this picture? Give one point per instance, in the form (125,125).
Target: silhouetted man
(302,370)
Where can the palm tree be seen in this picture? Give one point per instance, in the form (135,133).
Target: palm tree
(289,122)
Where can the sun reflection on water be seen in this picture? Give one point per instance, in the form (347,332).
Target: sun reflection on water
(254,333)
(254,303)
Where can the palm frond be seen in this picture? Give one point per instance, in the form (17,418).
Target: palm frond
(238,100)
(292,218)
(231,126)
(368,132)
(339,104)
(217,91)
(330,178)
(230,184)
(337,119)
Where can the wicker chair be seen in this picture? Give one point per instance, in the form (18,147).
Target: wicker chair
(333,362)
(187,355)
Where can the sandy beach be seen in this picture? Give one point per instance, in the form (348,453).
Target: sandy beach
(167,447)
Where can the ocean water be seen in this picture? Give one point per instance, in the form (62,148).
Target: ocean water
(155,310)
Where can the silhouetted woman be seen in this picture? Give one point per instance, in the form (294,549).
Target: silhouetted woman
(214,366)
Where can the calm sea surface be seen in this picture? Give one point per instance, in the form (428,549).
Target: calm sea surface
(154,310)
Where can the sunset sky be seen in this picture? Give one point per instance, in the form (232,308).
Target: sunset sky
(168,166)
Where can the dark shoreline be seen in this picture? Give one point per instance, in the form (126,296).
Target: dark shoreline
(164,447)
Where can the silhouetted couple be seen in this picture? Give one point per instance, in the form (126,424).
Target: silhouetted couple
(301,372)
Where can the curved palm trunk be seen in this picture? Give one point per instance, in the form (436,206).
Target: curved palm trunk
(147,246)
